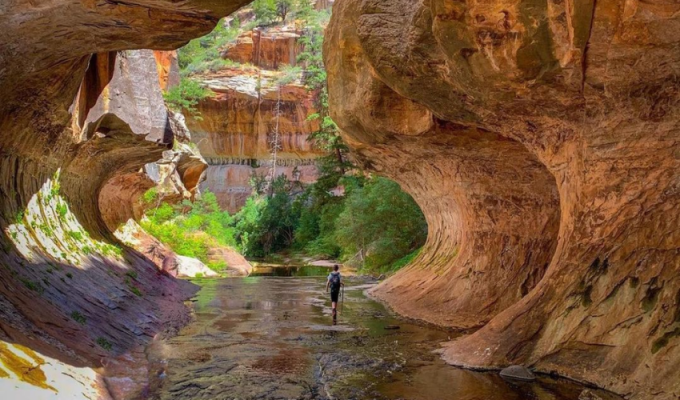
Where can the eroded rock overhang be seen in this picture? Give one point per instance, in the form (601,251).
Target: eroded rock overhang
(541,141)
(68,288)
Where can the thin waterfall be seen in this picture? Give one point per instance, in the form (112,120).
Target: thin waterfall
(274,142)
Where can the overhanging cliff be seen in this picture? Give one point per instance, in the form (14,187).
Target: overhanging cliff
(541,141)
(77,128)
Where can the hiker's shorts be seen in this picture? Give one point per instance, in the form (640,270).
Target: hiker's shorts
(334,295)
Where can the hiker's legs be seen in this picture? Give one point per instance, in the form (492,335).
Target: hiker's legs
(334,302)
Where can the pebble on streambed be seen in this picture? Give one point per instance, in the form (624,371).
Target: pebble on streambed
(518,372)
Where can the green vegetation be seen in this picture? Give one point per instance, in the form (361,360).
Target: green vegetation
(62,210)
(266,224)
(373,225)
(217,266)
(78,236)
(150,195)
(289,74)
(111,250)
(192,228)
(34,286)
(379,224)
(78,317)
(268,11)
(203,54)
(186,96)
(104,344)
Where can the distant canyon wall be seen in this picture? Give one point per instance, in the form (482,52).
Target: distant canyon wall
(235,130)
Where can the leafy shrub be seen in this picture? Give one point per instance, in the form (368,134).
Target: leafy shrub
(186,96)
(111,250)
(191,228)
(104,344)
(217,266)
(150,195)
(78,317)
(380,224)
(62,209)
(34,286)
(289,74)
(203,54)
(265,11)
(75,235)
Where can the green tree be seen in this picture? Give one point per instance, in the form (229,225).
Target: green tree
(265,11)
(191,228)
(267,224)
(283,7)
(379,224)
(186,96)
(203,54)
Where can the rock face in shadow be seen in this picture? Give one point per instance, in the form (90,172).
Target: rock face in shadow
(544,142)
(73,120)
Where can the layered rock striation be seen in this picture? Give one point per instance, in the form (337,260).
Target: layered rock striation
(541,141)
(236,129)
(76,128)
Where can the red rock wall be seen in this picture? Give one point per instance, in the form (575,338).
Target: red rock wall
(231,182)
(583,92)
(168,69)
(271,49)
(234,124)
(45,128)
(235,131)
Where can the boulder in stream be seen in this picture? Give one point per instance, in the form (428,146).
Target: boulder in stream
(518,372)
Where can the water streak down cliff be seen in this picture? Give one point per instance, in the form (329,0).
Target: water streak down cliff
(542,141)
(235,129)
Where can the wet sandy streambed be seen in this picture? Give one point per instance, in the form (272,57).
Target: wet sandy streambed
(271,337)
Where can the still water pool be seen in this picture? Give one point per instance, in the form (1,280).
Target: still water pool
(271,337)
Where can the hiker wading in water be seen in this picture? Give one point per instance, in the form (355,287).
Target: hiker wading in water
(334,283)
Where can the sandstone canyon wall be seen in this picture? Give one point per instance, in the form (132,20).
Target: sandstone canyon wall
(236,126)
(78,125)
(542,141)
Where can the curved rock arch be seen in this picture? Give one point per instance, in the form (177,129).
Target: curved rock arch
(590,90)
(491,206)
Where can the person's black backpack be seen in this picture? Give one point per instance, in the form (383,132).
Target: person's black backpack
(335,281)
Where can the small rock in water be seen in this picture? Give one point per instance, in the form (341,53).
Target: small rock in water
(392,327)
(518,372)
(588,395)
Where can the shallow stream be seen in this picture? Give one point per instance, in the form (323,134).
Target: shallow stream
(270,337)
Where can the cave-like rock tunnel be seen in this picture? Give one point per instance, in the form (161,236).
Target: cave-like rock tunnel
(540,138)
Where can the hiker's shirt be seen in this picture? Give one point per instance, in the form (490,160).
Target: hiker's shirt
(330,279)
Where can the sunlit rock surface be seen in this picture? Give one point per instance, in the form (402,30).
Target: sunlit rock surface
(269,49)
(542,142)
(167,68)
(235,128)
